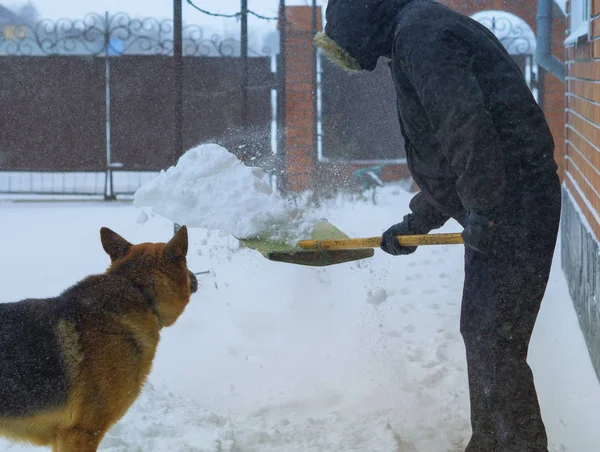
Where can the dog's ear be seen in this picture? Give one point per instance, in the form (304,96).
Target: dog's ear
(177,247)
(114,245)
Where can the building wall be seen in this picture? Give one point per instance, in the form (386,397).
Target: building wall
(581,194)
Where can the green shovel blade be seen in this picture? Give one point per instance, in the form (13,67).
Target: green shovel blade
(280,251)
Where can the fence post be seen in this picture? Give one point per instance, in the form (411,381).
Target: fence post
(281,84)
(315,117)
(178,63)
(244,55)
(109,189)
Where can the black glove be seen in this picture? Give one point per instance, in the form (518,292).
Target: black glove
(480,233)
(409,226)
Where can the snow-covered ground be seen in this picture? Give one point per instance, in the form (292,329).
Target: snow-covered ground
(362,356)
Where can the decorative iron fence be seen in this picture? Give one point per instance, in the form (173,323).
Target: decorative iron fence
(518,40)
(118,34)
(513,37)
(96,95)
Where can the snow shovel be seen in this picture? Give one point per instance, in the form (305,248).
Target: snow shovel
(329,246)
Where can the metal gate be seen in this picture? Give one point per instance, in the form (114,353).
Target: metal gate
(518,40)
(94,97)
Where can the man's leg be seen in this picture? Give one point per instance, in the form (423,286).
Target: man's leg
(501,300)
(496,323)
(517,417)
(477,293)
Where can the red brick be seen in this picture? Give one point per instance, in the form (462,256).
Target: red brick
(596,48)
(589,110)
(589,70)
(303,139)
(589,194)
(300,18)
(302,87)
(595,27)
(300,121)
(583,51)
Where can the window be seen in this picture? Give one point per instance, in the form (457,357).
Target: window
(580,20)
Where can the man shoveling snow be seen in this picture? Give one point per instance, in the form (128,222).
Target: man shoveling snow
(480,149)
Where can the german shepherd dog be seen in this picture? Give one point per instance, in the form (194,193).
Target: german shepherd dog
(71,366)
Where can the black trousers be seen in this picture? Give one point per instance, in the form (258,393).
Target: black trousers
(501,299)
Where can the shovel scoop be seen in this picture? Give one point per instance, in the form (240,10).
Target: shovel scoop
(329,246)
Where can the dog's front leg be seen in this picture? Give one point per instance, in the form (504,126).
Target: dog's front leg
(77,440)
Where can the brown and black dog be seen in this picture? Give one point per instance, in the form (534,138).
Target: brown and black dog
(71,366)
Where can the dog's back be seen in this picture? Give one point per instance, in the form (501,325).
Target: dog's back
(33,374)
(43,341)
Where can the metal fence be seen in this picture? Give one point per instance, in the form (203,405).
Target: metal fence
(98,98)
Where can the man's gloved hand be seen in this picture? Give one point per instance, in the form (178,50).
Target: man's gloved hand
(480,234)
(411,225)
(389,242)
(423,218)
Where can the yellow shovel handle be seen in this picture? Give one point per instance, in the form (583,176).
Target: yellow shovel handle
(374,242)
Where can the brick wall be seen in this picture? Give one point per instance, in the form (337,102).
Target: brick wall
(580,230)
(583,123)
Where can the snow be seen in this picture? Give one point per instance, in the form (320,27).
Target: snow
(362,356)
(210,188)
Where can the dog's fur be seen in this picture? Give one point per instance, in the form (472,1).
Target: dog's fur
(71,366)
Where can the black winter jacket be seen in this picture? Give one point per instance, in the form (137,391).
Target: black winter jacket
(472,128)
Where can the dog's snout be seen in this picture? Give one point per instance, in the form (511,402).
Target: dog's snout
(193,282)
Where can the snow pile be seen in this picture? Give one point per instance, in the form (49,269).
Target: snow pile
(210,188)
(268,357)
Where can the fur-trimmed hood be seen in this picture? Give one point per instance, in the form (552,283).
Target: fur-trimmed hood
(359,32)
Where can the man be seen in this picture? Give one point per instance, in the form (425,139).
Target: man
(480,150)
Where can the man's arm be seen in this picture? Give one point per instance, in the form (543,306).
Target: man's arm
(441,70)
(425,217)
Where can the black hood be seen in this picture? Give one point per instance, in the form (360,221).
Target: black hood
(362,30)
